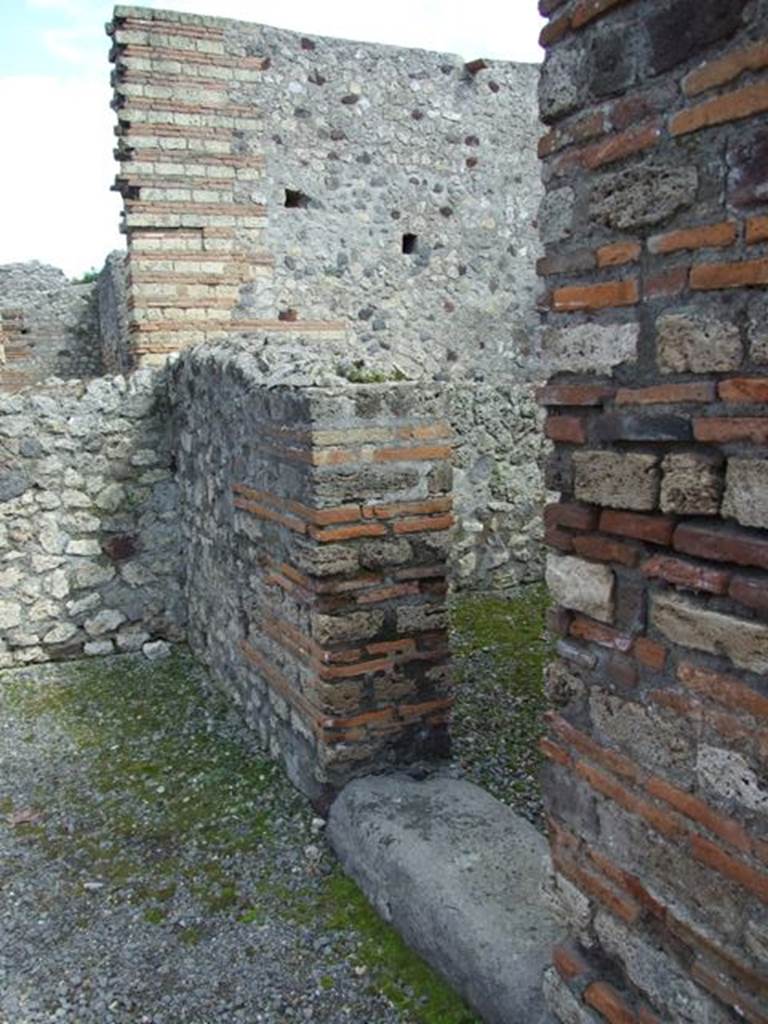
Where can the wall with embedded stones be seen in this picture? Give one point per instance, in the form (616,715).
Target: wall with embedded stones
(656,229)
(89,533)
(316,527)
(377,199)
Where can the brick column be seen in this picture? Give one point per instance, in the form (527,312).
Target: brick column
(317,530)
(655,270)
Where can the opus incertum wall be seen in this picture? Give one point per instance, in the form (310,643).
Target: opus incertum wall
(656,229)
(379,200)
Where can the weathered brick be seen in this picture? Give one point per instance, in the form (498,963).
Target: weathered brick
(574,394)
(570,298)
(721,543)
(566,429)
(724,69)
(757,230)
(614,147)
(721,430)
(667,394)
(609,1003)
(580,585)
(642,426)
(707,236)
(690,575)
(732,106)
(689,343)
(571,514)
(666,284)
(710,276)
(616,254)
(588,10)
(691,625)
(605,549)
(715,857)
(557,537)
(744,389)
(691,484)
(724,689)
(746,492)
(613,639)
(653,529)
(650,653)
(555,30)
(616,479)
(750,591)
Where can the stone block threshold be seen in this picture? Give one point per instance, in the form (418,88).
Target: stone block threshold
(461,878)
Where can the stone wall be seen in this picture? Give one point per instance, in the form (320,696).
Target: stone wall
(49,325)
(315,525)
(379,199)
(655,271)
(89,532)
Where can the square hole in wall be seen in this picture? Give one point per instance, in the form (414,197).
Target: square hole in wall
(409,243)
(296,200)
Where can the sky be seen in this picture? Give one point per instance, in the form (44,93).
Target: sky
(56,165)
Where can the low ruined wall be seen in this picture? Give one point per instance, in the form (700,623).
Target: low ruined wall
(656,267)
(89,531)
(315,530)
(49,324)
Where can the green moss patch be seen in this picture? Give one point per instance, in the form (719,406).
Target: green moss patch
(501,647)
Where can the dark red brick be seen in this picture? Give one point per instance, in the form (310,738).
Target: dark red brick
(682,573)
(571,514)
(605,549)
(654,529)
(722,543)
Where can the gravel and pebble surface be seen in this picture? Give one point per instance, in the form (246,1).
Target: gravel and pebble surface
(157,868)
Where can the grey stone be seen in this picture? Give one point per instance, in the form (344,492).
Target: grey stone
(589,348)
(744,641)
(691,484)
(99,648)
(746,492)
(689,343)
(156,650)
(559,83)
(556,215)
(642,194)
(581,585)
(105,621)
(461,877)
(12,484)
(616,479)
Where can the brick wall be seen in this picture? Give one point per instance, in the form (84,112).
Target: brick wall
(316,528)
(656,171)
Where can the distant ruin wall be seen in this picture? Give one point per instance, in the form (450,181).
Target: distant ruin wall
(655,270)
(376,199)
(316,529)
(49,326)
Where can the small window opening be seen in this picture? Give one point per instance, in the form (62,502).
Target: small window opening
(409,244)
(296,200)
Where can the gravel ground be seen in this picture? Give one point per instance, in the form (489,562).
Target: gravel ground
(156,868)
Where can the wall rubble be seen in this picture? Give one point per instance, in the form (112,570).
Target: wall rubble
(655,271)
